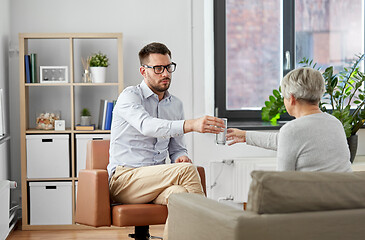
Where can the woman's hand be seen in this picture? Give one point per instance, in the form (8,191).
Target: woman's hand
(235,136)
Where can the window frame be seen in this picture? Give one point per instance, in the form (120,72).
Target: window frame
(288,44)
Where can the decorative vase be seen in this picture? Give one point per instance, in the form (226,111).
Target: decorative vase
(85,120)
(352,142)
(86,77)
(98,74)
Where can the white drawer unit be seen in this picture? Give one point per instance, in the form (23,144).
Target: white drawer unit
(50,203)
(81,143)
(48,156)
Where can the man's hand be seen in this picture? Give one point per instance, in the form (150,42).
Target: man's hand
(183,159)
(206,124)
(236,135)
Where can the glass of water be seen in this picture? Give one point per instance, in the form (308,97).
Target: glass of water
(220,138)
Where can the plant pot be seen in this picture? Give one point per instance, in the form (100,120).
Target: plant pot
(352,141)
(98,74)
(85,120)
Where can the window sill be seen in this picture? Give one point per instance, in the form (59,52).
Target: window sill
(255,125)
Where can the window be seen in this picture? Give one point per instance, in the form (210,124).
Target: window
(257,42)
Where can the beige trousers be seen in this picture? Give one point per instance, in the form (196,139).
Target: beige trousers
(154,183)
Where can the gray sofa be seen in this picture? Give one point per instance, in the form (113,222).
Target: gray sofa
(281,205)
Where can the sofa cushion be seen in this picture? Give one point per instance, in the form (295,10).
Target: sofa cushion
(288,192)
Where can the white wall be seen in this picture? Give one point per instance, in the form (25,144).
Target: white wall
(4,83)
(185,26)
(140,21)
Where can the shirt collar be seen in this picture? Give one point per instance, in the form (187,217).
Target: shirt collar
(147,92)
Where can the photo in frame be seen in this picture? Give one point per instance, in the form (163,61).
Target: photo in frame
(53,74)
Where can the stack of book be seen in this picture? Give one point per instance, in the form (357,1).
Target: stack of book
(85,127)
(30,68)
(105,114)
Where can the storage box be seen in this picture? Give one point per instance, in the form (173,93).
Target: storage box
(50,203)
(81,143)
(48,156)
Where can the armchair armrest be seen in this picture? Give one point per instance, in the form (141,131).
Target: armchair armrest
(93,201)
(201,172)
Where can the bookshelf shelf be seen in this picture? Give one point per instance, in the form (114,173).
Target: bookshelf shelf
(68,84)
(67,98)
(47,84)
(48,179)
(96,84)
(91,131)
(37,131)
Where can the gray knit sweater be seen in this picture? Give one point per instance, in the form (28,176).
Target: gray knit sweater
(315,142)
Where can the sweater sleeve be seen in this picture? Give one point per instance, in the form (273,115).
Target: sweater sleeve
(287,153)
(267,140)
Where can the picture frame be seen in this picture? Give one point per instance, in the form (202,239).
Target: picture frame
(53,74)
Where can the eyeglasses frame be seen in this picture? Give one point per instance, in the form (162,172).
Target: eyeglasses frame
(164,67)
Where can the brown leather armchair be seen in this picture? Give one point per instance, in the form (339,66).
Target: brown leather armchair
(93,205)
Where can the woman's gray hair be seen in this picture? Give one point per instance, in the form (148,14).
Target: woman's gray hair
(304,84)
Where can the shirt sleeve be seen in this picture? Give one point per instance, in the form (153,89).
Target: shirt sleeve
(177,147)
(267,140)
(287,153)
(130,107)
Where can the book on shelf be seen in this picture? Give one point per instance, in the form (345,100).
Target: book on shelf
(33,67)
(27,68)
(85,127)
(102,114)
(108,116)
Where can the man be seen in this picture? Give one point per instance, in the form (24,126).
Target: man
(148,123)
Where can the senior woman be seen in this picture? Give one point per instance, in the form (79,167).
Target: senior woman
(314,141)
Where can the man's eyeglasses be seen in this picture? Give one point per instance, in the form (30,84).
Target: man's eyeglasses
(160,69)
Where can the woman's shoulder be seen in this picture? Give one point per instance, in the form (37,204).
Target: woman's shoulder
(313,121)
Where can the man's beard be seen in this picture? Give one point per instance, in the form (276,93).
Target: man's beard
(164,88)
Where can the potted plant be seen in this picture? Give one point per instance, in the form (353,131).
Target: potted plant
(343,91)
(85,117)
(98,64)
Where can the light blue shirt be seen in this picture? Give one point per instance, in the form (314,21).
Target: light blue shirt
(144,130)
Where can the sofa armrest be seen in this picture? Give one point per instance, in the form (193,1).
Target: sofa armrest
(193,216)
(93,201)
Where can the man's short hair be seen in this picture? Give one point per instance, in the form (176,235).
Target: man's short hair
(154,47)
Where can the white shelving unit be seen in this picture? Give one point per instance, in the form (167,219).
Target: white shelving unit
(63,49)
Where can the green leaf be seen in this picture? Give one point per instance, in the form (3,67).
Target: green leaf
(348,90)
(347,110)
(276,94)
(272,99)
(334,82)
(358,84)
(337,94)
(348,129)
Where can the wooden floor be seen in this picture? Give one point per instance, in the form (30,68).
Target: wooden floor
(110,234)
